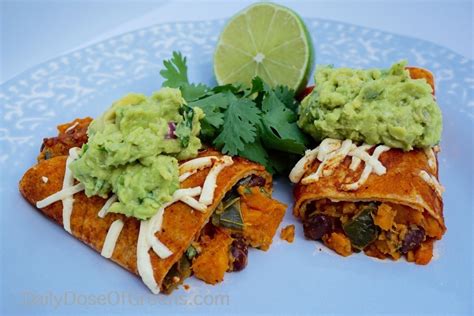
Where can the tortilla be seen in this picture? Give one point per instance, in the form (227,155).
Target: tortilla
(409,186)
(181,224)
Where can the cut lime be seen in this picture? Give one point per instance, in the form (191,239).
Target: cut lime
(265,40)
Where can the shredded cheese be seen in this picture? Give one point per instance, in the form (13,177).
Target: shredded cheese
(331,153)
(371,163)
(156,220)
(70,128)
(431,159)
(207,195)
(432,182)
(356,160)
(186,175)
(67,192)
(44,179)
(60,195)
(111,238)
(330,159)
(302,165)
(144,266)
(195,204)
(328,145)
(197,164)
(103,211)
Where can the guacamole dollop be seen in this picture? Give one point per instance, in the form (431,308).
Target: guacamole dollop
(133,151)
(372,106)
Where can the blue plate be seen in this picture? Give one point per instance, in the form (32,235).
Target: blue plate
(46,271)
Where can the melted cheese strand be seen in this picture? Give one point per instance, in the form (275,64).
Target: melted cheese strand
(186,175)
(356,160)
(327,145)
(431,159)
(154,225)
(68,182)
(371,162)
(207,195)
(144,266)
(160,249)
(108,203)
(432,182)
(156,221)
(301,166)
(336,157)
(194,203)
(111,238)
(197,164)
(60,195)
(70,128)
(330,160)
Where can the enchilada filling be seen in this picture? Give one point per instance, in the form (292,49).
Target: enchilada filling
(381,230)
(246,217)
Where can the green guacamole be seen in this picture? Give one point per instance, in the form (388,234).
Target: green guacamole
(372,106)
(134,148)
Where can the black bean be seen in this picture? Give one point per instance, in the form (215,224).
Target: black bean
(252,181)
(413,238)
(315,227)
(239,252)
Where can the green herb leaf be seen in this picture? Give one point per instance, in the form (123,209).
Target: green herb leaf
(287,97)
(191,92)
(175,72)
(240,121)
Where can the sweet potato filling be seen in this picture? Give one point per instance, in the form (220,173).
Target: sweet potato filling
(246,217)
(381,230)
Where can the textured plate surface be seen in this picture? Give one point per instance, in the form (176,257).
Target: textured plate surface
(45,271)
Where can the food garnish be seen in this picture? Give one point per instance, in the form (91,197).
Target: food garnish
(256,122)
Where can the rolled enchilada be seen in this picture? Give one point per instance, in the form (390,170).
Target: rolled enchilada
(374,198)
(187,238)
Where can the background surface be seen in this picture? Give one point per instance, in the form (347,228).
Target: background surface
(42,269)
(35,31)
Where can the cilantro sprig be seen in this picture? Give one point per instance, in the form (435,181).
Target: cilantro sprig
(257,122)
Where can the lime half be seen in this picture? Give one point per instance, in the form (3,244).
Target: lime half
(266,40)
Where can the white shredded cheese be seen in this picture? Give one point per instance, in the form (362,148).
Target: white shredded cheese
(432,182)
(371,163)
(70,128)
(44,179)
(331,158)
(68,182)
(302,165)
(331,153)
(195,204)
(431,159)
(207,195)
(108,203)
(67,192)
(160,249)
(111,238)
(197,164)
(144,266)
(60,195)
(178,194)
(156,220)
(356,160)
(186,175)
(327,146)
